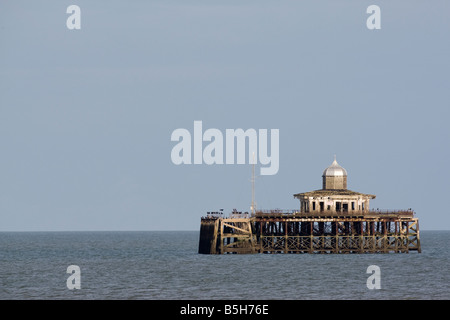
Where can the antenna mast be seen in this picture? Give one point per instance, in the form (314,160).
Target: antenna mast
(253,209)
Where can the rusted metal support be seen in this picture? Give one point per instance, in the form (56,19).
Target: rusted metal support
(301,234)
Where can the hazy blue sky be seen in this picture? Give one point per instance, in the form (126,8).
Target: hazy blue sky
(86,115)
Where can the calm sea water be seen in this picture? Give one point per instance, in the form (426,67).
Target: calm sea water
(165,265)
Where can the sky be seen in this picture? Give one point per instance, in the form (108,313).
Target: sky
(86,115)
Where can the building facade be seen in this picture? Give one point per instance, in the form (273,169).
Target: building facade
(334,197)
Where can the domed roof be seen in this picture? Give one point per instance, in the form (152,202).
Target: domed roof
(334,170)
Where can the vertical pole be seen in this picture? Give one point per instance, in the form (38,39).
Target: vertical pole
(214,240)
(407,236)
(253,186)
(221,237)
(361,236)
(374,238)
(285,237)
(261,226)
(397,238)
(252,243)
(337,236)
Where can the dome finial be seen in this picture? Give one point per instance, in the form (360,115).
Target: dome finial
(335,169)
(334,177)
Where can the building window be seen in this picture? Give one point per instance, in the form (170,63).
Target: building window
(314,205)
(353,205)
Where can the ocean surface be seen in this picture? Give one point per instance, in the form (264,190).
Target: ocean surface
(166,265)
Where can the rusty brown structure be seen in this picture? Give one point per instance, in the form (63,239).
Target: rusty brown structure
(282,232)
(330,220)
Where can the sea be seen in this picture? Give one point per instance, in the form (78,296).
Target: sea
(165,265)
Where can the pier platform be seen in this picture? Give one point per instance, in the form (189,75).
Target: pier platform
(288,231)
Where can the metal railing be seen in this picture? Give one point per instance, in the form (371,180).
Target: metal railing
(372,212)
(297,213)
